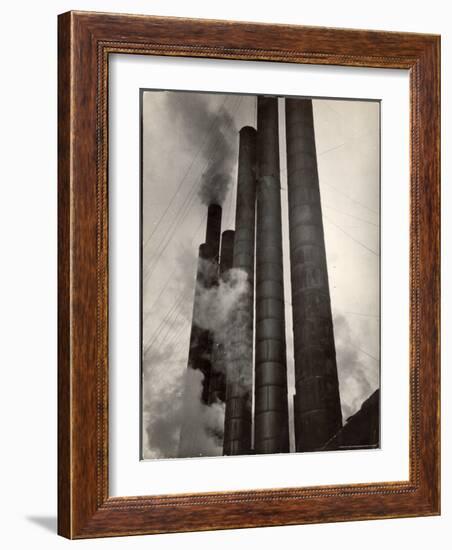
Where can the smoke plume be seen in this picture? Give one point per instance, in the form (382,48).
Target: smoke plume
(171,392)
(172,399)
(217,303)
(204,422)
(223,311)
(358,377)
(161,403)
(213,128)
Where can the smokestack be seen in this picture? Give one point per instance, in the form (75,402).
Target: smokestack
(213,231)
(200,350)
(238,412)
(317,408)
(227,251)
(217,386)
(271,417)
(199,355)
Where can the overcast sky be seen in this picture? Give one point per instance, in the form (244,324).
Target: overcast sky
(183,135)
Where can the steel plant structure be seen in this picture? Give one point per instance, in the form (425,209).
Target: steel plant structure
(257,331)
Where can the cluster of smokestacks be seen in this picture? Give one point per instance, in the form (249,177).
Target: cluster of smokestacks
(255,330)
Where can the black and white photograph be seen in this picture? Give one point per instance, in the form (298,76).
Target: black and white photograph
(225,231)
(260,274)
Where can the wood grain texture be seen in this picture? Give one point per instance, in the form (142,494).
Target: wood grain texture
(64,221)
(85,42)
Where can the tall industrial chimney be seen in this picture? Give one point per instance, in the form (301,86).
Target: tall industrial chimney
(271,416)
(239,355)
(213,231)
(227,252)
(200,351)
(217,385)
(317,409)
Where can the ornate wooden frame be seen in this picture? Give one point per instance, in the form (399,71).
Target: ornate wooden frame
(85,42)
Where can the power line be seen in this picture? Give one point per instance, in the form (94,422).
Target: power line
(184,209)
(185,206)
(365,352)
(175,338)
(173,313)
(170,332)
(173,309)
(159,329)
(179,219)
(169,321)
(355,201)
(176,221)
(350,215)
(166,241)
(170,277)
(376,317)
(182,294)
(173,316)
(351,237)
(183,178)
(165,286)
(182,341)
(331,149)
(169,280)
(187,203)
(350,198)
(201,223)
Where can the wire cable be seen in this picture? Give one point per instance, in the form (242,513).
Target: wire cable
(351,237)
(185,208)
(176,192)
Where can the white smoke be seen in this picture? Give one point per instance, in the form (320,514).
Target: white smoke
(172,398)
(204,423)
(224,310)
(358,377)
(218,303)
(172,392)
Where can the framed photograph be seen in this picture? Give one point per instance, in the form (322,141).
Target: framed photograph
(248,275)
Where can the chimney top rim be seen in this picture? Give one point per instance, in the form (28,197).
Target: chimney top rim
(247,128)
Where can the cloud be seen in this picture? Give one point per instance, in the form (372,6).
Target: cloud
(358,376)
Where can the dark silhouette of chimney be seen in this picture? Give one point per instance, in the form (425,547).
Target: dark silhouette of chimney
(201,341)
(217,384)
(271,417)
(238,412)
(317,409)
(213,231)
